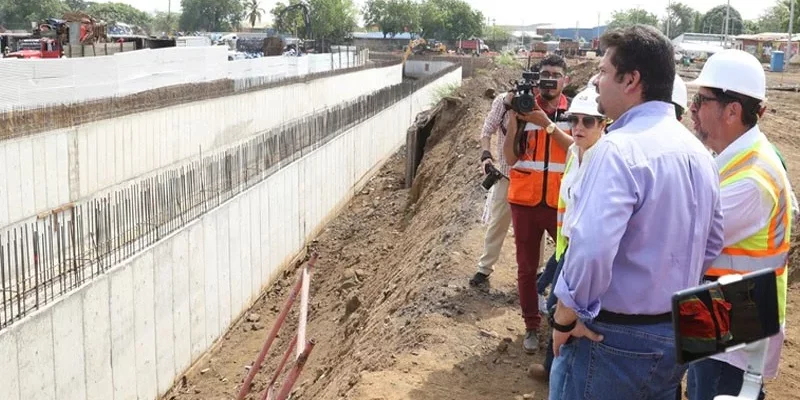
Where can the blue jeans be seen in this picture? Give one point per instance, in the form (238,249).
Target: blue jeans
(547,277)
(631,363)
(715,378)
(551,301)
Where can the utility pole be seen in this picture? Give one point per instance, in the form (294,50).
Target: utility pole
(727,23)
(669,17)
(789,42)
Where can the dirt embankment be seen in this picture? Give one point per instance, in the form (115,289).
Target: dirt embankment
(391,310)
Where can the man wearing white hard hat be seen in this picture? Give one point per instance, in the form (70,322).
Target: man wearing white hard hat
(587,127)
(647,222)
(756,200)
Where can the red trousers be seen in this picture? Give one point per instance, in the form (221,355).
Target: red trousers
(530,224)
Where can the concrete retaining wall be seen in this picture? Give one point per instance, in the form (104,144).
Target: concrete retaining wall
(420,68)
(132,331)
(48,170)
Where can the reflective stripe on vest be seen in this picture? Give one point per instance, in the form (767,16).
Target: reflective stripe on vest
(536,176)
(562,241)
(769,247)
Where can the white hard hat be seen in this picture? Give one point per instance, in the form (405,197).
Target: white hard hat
(680,96)
(585,103)
(734,70)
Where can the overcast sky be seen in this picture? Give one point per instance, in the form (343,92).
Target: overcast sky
(513,12)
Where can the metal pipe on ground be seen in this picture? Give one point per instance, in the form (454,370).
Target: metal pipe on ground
(295,372)
(245,389)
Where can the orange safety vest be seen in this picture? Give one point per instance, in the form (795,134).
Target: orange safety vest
(536,176)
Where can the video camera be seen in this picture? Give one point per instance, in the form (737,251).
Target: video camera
(492,176)
(523,100)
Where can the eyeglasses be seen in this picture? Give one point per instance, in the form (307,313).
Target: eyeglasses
(588,122)
(698,100)
(550,75)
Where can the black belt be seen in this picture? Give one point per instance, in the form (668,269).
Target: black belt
(609,317)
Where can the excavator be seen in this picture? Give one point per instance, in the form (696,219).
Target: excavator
(276,45)
(422,46)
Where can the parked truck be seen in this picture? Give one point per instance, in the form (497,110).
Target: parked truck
(472,46)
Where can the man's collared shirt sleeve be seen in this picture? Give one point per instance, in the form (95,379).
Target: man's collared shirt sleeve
(495,117)
(602,209)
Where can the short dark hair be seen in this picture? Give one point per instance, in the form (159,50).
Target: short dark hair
(751,107)
(645,49)
(554,60)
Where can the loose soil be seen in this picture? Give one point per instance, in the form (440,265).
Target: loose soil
(391,310)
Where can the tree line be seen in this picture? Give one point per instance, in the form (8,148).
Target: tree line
(333,20)
(681,18)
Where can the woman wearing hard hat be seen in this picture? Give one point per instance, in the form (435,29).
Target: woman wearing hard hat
(588,126)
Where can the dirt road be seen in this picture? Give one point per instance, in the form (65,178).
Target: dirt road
(391,310)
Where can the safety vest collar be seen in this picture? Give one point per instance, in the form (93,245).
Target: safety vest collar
(563,105)
(738,146)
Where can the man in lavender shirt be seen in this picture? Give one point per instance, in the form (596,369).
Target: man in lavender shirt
(648,223)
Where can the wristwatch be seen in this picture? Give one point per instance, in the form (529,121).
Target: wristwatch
(550,128)
(559,327)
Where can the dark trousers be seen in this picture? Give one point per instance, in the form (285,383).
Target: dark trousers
(551,302)
(708,378)
(530,223)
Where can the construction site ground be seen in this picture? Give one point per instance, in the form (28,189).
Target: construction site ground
(391,309)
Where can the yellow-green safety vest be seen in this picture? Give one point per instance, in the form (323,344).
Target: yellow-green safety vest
(769,247)
(561,240)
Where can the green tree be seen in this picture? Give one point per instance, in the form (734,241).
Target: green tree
(681,19)
(254,12)
(750,27)
(288,21)
(163,22)
(333,20)
(633,16)
(392,16)
(18,14)
(119,12)
(496,33)
(714,21)
(211,15)
(775,18)
(697,24)
(77,5)
(450,20)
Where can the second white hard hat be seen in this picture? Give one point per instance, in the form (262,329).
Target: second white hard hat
(585,102)
(680,95)
(734,70)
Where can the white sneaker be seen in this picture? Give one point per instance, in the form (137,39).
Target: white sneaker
(543,305)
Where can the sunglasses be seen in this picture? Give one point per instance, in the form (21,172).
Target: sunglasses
(588,122)
(698,100)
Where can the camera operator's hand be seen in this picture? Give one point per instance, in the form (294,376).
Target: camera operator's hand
(486,159)
(537,117)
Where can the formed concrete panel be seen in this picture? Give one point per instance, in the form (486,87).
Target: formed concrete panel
(165,341)
(68,346)
(212,291)
(244,249)
(14,180)
(35,358)
(180,295)
(97,339)
(4,172)
(123,341)
(9,379)
(197,290)
(235,256)
(224,266)
(40,173)
(145,329)
(27,176)
(255,243)
(52,167)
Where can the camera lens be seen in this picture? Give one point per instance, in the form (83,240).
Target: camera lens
(525,103)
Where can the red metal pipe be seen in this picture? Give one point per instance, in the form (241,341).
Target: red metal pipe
(280,367)
(295,372)
(274,332)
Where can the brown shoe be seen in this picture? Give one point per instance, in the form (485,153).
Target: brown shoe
(537,372)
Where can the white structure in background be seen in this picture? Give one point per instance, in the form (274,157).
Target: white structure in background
(699,45)
(192,41)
